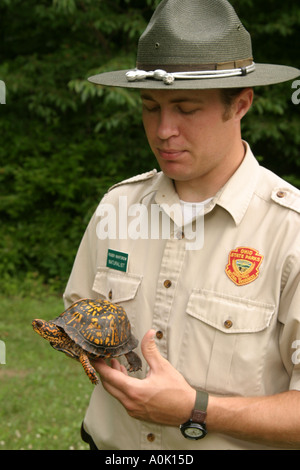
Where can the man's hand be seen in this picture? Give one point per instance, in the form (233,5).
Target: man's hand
(162,397)
(165,397)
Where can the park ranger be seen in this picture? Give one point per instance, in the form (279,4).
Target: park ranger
(215,302)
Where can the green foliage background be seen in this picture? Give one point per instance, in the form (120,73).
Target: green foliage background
(64,141)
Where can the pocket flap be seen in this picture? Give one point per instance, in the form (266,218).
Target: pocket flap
(115,286)
(228,313)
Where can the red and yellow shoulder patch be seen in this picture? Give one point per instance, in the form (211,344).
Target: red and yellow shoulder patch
(243,265)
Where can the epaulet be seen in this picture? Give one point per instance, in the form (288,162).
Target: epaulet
(288,197)
(135,179)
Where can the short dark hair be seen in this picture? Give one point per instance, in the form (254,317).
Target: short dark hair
(228,95)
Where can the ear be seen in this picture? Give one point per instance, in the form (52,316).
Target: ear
(243,103)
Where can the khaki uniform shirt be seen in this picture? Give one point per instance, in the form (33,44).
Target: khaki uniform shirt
(227,314)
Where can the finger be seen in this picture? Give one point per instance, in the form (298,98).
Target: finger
(112,379)
(115,364)
(103,368)
(151,352)
(114,376)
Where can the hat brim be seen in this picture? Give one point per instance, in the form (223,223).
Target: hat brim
(264,74)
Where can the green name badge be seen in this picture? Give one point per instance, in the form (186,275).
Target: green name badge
(117,260)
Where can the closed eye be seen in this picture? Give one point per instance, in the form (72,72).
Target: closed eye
(187,110)
(150,109)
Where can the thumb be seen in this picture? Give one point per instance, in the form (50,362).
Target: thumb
(150,351)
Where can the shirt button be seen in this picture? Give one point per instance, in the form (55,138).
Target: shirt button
(180,235)
(110,295)
(159,334)
(151,437)
(228,324)
(281,194)
(167,283)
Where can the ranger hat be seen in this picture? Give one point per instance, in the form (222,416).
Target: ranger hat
(196,44)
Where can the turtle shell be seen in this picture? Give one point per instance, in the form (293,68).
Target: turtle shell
(99,327)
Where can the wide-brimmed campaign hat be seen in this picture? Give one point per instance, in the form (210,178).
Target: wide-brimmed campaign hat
(196,44)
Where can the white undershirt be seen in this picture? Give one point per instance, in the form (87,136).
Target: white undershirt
(191,210)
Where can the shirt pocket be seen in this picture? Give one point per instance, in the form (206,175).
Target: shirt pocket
(116,287)
(225,342)
(120,288)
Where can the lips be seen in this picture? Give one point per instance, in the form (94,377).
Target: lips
(167,154)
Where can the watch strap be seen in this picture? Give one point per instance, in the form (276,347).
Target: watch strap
(199,411)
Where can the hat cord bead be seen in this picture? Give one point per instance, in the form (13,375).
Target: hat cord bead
(134,75)
(158,74)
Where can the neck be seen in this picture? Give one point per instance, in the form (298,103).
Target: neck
(199,189)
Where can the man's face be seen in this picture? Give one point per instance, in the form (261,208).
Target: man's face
(187,132)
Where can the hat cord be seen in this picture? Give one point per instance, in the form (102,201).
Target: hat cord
(169,78)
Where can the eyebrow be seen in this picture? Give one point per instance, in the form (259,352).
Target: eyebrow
(184,99)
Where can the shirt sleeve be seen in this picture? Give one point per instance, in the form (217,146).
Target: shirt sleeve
(289,316)
(81,280)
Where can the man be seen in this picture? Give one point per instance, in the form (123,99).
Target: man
(216,303)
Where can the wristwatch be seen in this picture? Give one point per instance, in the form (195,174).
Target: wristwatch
(195,427)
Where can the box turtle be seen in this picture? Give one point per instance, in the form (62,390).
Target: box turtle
(90,329)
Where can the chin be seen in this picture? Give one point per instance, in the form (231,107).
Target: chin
(176,174)
(174,170)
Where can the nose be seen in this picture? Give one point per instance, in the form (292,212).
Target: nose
(167,125)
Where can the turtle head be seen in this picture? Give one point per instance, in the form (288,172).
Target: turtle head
(47,330)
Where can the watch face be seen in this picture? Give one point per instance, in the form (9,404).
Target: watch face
(193,433)
(192,430)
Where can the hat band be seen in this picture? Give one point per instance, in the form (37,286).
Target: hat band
(169,77)
(190,67)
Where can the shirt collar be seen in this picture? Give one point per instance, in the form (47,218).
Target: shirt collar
(234,196)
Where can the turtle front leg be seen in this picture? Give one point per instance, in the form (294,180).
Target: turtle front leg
(89,369)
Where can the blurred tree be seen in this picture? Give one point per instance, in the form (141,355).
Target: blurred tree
(273,126)
(65,141)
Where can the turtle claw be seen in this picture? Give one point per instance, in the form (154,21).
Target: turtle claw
(94,380)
